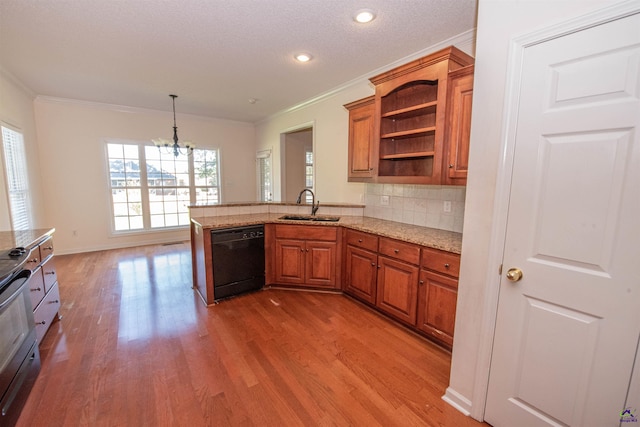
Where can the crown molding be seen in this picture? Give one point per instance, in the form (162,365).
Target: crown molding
(127,109)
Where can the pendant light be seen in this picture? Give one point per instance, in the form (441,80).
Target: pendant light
(175,146)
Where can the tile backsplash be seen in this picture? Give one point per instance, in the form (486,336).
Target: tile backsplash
(417,204)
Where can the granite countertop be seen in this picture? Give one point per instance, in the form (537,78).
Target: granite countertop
(240,204)
(24,238)
(431,237)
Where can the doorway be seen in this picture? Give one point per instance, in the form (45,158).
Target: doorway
(297,160)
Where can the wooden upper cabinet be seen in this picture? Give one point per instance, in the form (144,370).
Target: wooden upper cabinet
(400,137)
(362,157)
(458,126)
(411,107)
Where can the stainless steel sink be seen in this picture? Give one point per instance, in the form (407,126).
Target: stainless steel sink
(310,218)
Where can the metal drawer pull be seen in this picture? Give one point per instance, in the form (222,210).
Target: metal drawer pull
(373,264)
(396,250)
(359,240)
(35,289)
(49,272)
(49,248)
(41,323)
(55,301)
(33,260)
(446,265)
(422,282)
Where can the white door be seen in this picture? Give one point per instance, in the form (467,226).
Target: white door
(567,331)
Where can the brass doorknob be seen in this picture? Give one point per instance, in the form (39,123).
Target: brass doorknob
(514,274)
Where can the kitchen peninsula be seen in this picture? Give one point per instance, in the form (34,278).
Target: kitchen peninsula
(405,271)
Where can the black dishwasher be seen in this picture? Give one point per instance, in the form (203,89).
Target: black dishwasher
(238,260)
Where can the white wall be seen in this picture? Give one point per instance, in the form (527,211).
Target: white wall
(498,22)
(330,128)
(16,110)
(71,139)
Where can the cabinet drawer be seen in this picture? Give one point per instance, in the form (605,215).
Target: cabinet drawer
(46,249)
(307,232)
(46,312)
(443,262)
(49,274)
(36,287)
(362,240)
(400,250)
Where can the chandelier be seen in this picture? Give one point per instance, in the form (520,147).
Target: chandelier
(175,146)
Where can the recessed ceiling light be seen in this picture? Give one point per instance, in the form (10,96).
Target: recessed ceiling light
(303,57)
(364,15)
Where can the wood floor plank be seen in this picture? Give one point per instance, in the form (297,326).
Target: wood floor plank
(137,347)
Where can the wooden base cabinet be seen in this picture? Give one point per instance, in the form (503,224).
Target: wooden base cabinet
(438,294)
(361,265)
(415,285)
(397,289)
(304,255)
(361,273)
(398,279)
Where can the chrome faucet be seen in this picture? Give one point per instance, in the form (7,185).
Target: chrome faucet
(314,206)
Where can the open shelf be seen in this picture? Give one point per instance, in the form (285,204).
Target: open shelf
(415,155)
(413,111)
(407,133)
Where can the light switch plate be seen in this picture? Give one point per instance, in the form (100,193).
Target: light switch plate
(384,200)
(447,206)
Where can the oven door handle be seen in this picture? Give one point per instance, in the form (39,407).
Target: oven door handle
(24,274)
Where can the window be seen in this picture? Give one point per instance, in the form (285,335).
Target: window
(263,160)
(17,179)
(152,189)
(308,174)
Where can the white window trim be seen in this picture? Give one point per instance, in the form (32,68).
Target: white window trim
(263,154)
(107,180)
(27,222)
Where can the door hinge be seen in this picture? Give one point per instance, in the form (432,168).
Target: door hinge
(500,270)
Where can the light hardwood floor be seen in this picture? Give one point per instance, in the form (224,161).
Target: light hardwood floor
(137,347)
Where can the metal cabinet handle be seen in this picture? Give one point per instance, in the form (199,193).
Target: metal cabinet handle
(55,301)
(396,251)
(41,323)
(49,272)
(447,266)
(359,240)
(35,289)
(421,282)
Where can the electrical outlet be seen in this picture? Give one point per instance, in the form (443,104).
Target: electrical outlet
(447,206)
(384,200)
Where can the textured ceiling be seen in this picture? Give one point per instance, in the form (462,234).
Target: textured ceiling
(215,55)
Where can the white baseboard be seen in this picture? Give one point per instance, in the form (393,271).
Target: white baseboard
(458,401)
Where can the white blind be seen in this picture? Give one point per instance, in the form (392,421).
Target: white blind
(17,178)
(263,160)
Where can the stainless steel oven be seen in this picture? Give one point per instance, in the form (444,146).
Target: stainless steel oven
(19,356)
